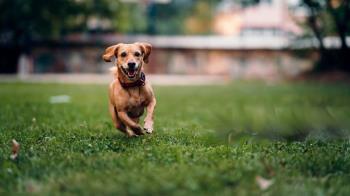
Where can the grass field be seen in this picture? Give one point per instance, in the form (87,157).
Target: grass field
(208,140)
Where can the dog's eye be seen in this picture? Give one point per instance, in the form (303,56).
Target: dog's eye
(123,54)
(137,54)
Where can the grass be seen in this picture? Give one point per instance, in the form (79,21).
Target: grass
(208,140)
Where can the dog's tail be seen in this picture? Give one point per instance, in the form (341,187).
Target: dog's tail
(114,71)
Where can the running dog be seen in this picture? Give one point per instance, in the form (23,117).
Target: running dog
(130,93)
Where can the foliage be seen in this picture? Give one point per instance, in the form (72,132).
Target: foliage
(200,21)
(209,140)
(23,22)
(339,12)
(124,17)
(38,18)
(20,18)
(170,19)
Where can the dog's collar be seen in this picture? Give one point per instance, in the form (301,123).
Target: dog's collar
(140,82)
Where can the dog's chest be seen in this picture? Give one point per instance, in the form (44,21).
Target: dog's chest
(136,98)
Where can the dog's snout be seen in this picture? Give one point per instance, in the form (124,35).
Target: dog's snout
(131,65)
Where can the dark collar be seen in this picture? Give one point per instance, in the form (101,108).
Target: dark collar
(140,82)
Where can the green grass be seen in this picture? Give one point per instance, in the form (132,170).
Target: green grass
(208,140)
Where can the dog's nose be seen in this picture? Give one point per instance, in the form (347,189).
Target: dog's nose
(131,65)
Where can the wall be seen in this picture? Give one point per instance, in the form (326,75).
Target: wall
(236,64)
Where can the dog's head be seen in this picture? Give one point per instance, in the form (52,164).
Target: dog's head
(130,57)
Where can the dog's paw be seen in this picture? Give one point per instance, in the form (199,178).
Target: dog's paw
(148,130)
(148,126)
(138,130)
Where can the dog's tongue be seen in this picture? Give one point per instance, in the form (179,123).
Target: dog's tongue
(131,73)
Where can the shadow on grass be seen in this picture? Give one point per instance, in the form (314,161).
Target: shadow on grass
(289,127)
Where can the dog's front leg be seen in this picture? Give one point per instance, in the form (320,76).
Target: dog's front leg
(148,126)
(135,127)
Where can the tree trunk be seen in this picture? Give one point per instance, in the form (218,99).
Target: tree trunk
(313,24)
(340,22)
(345,22)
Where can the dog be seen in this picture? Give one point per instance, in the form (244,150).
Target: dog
(130,93)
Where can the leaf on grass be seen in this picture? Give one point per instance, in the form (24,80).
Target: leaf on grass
(263,183)
(15,149)
(59,99)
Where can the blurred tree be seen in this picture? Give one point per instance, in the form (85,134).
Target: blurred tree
(339,12)
(164,18)
(200,20)
(22,21)
(326,18)
(124,16)
(245,3)
(171,18)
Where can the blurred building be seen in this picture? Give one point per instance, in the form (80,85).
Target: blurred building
(252,42)
(267,18)
(234,57)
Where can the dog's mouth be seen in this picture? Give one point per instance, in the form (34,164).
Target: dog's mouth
(131,73)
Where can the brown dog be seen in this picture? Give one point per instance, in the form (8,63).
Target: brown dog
(130,92)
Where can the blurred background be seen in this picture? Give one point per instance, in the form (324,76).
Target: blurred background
(216,40)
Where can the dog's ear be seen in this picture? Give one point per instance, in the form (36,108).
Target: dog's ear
(146,50)
(110,52)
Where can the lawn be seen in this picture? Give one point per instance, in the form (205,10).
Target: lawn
(208,140)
